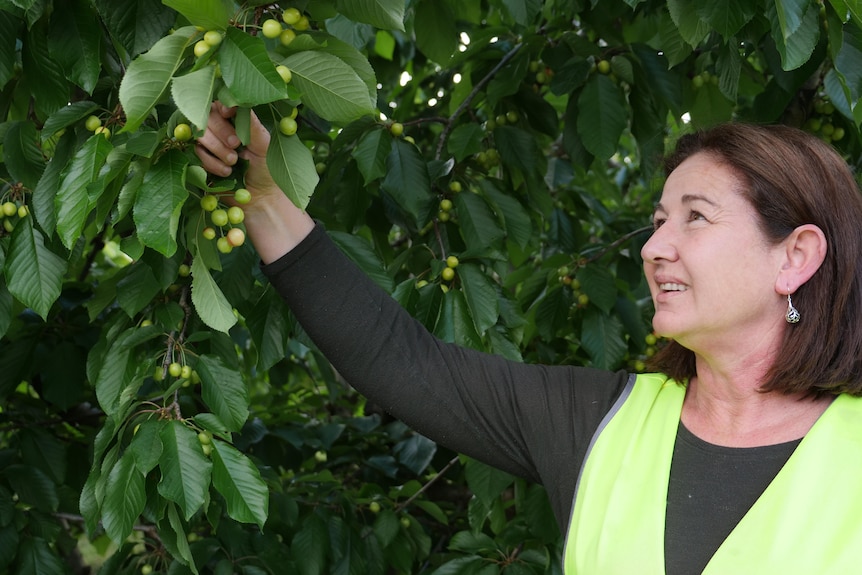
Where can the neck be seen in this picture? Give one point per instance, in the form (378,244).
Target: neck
(725,406)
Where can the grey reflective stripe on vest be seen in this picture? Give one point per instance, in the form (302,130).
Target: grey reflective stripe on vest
(618,404)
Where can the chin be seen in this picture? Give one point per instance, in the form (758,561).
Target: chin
(664,328)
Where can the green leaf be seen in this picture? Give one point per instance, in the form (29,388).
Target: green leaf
(223,391)
(36,557)
(519,227)
(66,116)
(730,64)
(248,71)
(407,181)
(208,14)
(137,289)
(159,202)
(208,299)
(193,94)
(361,253)
(727,17)
(479,226)
(415,453)
(551,312)
(22,155)
(370,154)
(796,46)
(385,14)
(148,76)
(848,63)
(437,36)
(125,498)
(51,91)
(310,543)
(185,470)
(239,482)
(136,24)
(329,86)
(519,149)
(175,539)
(710,107)
(454,324)
(72,203)
(269,328)
(33,487)
(602,337)
(472,542)
(486,482)
(691,27)
(34,274)
(789,15)
(601,116)
(466,140)
(45,452)
(9,539)
(5,308)
(671,42)
(146,445)
(599,284)
(480,295)
(853,8)
(75,42)
(291,164)
(9,33)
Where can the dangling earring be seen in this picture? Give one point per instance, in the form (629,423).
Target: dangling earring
(792,315)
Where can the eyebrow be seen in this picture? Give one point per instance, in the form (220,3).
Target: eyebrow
(686,199)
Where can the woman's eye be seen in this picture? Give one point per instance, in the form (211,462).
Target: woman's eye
(693,216)
(657,223)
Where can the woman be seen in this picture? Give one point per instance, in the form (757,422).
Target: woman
(747,465)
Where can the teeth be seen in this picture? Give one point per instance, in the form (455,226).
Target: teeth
(672,287)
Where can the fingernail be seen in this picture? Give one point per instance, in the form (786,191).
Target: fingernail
(232,141)
(226,170)
(230,158)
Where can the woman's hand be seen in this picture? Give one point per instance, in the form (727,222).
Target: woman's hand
(274,224)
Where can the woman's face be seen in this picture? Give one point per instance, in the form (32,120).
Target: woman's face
(710,270)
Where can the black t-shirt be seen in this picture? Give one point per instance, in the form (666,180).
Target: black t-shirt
(710,489)
(534,421)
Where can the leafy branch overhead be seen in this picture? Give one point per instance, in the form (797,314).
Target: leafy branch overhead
(492,165)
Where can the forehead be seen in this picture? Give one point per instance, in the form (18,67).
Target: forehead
(703,177)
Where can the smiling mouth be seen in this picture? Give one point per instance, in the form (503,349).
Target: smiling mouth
(672,287)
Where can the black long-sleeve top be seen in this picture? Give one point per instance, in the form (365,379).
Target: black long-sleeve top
(534,421)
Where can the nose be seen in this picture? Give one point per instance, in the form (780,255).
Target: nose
(659,246)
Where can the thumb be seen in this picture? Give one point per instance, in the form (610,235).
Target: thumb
(260,137)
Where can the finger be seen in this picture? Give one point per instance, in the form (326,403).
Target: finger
(224,111)
(221,144)
(220,131)
(213,164)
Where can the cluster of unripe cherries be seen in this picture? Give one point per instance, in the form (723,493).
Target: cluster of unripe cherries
(220,217)
(11,212)
(447,274)
(271,28)
(820,123)
(567,279)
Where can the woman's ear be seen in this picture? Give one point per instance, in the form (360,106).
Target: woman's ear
(804,252)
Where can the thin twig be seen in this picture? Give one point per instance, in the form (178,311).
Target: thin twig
(616,243)
(469,99)
(425,487)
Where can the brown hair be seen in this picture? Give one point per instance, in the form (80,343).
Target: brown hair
(792,178)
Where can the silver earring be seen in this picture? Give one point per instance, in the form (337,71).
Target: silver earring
(792,315)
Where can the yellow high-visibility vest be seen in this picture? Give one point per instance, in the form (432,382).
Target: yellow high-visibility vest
(808,521)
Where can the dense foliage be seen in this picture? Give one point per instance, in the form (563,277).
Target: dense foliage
(491,163)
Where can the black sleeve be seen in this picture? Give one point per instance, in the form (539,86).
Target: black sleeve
(532,421)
